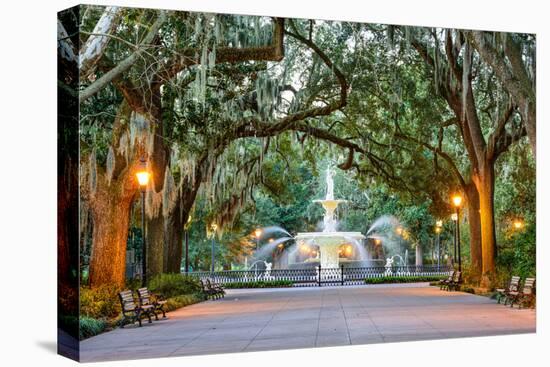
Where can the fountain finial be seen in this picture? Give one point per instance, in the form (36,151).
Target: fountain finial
(330,184)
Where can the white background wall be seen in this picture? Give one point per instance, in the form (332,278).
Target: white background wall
(28,180)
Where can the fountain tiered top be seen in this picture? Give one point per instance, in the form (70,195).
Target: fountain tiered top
(329,240)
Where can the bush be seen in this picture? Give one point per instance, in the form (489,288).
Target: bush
(260,284)
(181,301)
(517,255)
(133,284)
(404,279)
(90,327)
(99,303)
(171,285)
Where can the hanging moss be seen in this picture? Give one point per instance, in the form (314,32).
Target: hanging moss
(124,146)
(110,165)
(153,201)
(139,129)
(169,193)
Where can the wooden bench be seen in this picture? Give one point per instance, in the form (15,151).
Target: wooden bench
(445,282)
(208,290)
(147,299)
(216,288)
(502,293)
(526,295)
(454,284)
(131,312)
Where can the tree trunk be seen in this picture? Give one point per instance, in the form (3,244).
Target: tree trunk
(155,245)
(485,183)
(110,204)
(530,115)
(474,222)
(111,211)
(67,233)
(174,240)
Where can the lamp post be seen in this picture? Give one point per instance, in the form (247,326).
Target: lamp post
(438,245)
(214,226)
(457,202)
(454,218)
(186,239)
(438,226)
(142,176)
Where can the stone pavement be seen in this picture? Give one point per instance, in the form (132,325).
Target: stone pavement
(269,319)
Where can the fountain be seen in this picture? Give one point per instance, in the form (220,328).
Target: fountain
(330,240)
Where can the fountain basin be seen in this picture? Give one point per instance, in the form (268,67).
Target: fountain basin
(330,205)
(329,243)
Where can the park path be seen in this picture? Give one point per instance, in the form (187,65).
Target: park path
(269,319)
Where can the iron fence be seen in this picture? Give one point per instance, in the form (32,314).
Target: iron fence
(318,276)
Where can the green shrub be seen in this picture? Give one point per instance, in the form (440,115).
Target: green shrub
(90,327)
(171,285)
(517,255)
(181,301)
(260,284)
(100,303)
(404,279)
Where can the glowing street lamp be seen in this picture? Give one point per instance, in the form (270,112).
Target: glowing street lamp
(143,179)
(457,202)
(257,234)
(518,224)
(142,176)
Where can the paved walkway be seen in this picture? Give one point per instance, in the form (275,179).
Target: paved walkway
(252,320)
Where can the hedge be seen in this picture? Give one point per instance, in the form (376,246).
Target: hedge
(260,284)
(405,279)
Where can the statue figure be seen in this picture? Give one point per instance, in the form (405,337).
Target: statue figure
(388,266)
(268,270)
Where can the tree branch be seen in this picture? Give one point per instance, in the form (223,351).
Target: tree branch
(126,63)
(499,133)
(92,50)
(273,52)
(440,152)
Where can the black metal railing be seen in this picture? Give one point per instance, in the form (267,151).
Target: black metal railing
(319,276)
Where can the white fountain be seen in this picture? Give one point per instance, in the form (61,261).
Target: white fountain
(329,241)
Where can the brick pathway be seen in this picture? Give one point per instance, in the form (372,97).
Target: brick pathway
(252,320)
